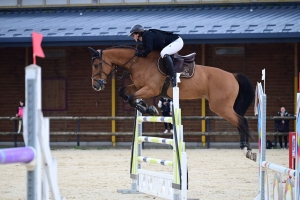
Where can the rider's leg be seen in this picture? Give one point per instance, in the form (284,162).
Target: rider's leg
(171,49)
(169,64)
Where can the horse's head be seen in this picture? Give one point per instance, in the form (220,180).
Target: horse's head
(101,70)
(105,66)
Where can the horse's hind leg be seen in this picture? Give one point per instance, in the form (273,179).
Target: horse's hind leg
(244,138)
(241,104)
(240,107)
(240,122)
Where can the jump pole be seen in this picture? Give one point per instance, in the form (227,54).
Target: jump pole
(292,183)
(168,186)
(36,153)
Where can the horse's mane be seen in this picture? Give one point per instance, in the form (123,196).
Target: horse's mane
(122,47)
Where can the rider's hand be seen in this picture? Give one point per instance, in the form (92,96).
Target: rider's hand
(139,53)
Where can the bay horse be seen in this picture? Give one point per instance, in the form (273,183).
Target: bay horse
(229,95)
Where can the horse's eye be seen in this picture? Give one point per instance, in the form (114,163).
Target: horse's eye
(95,65)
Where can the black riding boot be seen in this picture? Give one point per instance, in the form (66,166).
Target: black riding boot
(169,64)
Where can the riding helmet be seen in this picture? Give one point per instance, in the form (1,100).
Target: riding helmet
(136,28)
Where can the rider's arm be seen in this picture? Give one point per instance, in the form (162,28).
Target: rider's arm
(147,43)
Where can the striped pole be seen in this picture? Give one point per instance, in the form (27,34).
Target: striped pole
(155,140)
(17,155)
(154,119)
(155,161)
(279,169)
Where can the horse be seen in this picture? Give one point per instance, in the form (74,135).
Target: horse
(229,95)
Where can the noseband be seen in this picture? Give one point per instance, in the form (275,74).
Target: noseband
(114,68)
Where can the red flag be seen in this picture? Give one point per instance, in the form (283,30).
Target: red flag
(36,44)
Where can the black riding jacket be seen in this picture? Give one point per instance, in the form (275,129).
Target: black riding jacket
(283,125)
(156,40)
(165,109)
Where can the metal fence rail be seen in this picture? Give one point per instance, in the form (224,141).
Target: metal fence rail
(132,118)
(78,133)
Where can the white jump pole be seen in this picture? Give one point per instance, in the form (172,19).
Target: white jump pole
(33,103)
(292,183)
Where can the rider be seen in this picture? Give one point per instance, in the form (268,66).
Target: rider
(166,42)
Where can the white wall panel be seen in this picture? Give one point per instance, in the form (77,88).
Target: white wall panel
(81,1)
(111,1)
(135,1)
(160,1)
(56,2)
(8,3)
(189,1)
(32,2)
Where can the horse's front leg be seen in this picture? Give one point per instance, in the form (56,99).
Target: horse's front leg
(143,93)
(128,91)
(124,92)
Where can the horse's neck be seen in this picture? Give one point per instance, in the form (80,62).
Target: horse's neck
(149,61)
(121,57)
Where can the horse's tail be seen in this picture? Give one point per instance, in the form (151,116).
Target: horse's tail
(243,101)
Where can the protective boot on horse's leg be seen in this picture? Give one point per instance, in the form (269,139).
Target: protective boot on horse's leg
(142,106)
(122,94)
(244,139)
(170,66)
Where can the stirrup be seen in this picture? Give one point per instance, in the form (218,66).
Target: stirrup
(173,79)
(173,83)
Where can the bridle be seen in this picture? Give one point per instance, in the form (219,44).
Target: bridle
(114,68)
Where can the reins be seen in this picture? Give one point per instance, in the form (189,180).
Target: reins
(114,68)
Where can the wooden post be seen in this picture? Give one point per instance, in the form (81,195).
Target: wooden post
(113,110)
(203,106)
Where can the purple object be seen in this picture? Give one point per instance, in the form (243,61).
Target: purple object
(17,155)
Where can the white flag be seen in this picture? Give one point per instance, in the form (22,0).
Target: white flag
(263,75)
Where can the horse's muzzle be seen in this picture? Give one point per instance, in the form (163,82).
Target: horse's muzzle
(99,84)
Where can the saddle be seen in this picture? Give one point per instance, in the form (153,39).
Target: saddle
(185,65)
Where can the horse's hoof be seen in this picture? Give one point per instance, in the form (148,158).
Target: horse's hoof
(141,108)
(251,156)
(142,103)
(254,156)
(152,110)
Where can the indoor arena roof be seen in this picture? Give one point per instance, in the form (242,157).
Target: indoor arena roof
(232,23)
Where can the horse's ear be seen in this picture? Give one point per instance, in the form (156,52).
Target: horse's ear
(92,50)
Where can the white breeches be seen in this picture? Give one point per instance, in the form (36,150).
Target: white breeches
(172,48)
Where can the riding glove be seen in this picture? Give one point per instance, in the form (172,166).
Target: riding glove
(139,53)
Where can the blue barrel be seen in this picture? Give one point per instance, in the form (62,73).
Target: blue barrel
(17,155)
